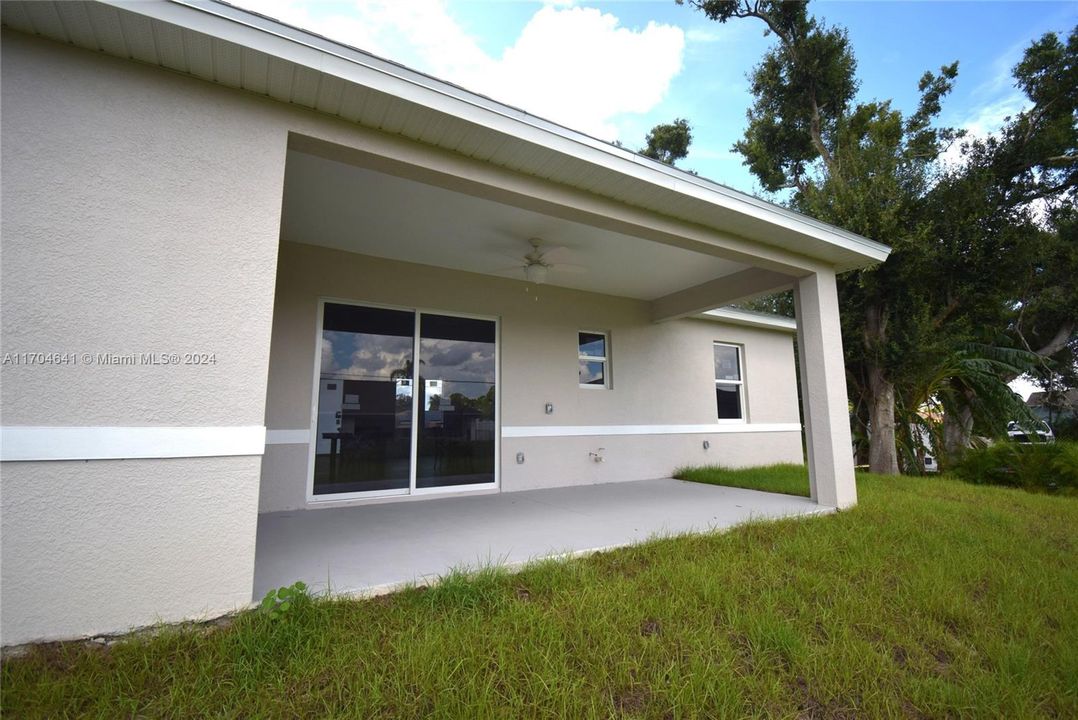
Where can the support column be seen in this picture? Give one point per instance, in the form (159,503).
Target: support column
(823,391)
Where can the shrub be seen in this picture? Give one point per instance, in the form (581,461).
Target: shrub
(1066,428)
(1042,466)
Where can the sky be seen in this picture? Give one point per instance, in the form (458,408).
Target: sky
(616,69)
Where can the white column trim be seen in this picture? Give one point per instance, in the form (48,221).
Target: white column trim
(34,443)
(823,391)
(581,430)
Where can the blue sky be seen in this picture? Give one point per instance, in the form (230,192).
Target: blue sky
(615,69)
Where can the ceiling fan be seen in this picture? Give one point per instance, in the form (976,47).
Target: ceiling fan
(540,260)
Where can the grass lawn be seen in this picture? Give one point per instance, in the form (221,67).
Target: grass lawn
(788,479)
(932,598)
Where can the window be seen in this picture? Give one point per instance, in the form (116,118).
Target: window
(594,348)
(729,385)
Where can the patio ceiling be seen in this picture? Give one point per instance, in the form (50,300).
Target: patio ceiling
(360,210)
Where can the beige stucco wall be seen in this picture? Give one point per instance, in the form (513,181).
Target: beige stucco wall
(662,374)
(140,214)
(106,545)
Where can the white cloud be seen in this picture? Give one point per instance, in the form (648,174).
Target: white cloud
(575,66)
(984,121)
(989,118)
(1002,78)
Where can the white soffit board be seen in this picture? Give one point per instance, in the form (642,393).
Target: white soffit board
(234,47)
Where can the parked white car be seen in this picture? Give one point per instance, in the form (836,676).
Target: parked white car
(1029,433)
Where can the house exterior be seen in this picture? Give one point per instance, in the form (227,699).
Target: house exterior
(248,270)
(1063,405)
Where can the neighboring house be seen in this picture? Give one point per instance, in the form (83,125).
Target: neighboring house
(1052,407)
(247,269)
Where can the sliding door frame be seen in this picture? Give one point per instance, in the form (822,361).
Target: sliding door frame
(411,491)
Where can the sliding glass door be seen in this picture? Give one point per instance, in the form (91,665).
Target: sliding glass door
(456,412)
(387,425)
(363,435)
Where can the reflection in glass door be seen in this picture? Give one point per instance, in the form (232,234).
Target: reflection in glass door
(375,404)
(363,436)
(456,402)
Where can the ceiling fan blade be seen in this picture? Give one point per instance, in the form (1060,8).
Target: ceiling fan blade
(554,253)
(569,268)
(515,268)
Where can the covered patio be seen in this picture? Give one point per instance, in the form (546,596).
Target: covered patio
(392,288)
(377,548)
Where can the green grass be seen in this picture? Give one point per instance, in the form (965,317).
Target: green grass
(783,478)
(931,598)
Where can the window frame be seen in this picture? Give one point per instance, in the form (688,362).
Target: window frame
(605,360)
(740,349)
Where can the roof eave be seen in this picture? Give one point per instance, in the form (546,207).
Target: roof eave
(293,44)
(736,316)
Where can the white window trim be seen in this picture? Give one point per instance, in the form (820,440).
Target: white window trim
(741,383)
(605,360)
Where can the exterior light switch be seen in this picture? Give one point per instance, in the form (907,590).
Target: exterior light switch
(520,458)
(550,408)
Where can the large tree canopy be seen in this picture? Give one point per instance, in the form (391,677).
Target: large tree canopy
(934,319)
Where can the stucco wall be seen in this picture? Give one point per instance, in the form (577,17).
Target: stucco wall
(662,374)
(141,214)
(106,545)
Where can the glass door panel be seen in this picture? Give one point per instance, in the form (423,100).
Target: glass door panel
(364,429)
(456,402)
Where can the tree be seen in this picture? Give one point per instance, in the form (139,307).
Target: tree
(937,312)
(862,166)
(668,142)
(1008,229)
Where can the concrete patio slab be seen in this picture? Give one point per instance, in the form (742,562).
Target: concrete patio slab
(375,548)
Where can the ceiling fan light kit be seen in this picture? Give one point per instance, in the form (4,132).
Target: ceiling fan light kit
(535,273)
(537,263)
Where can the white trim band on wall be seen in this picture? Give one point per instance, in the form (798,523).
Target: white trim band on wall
(299,436)
(32,443)
(579,430)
